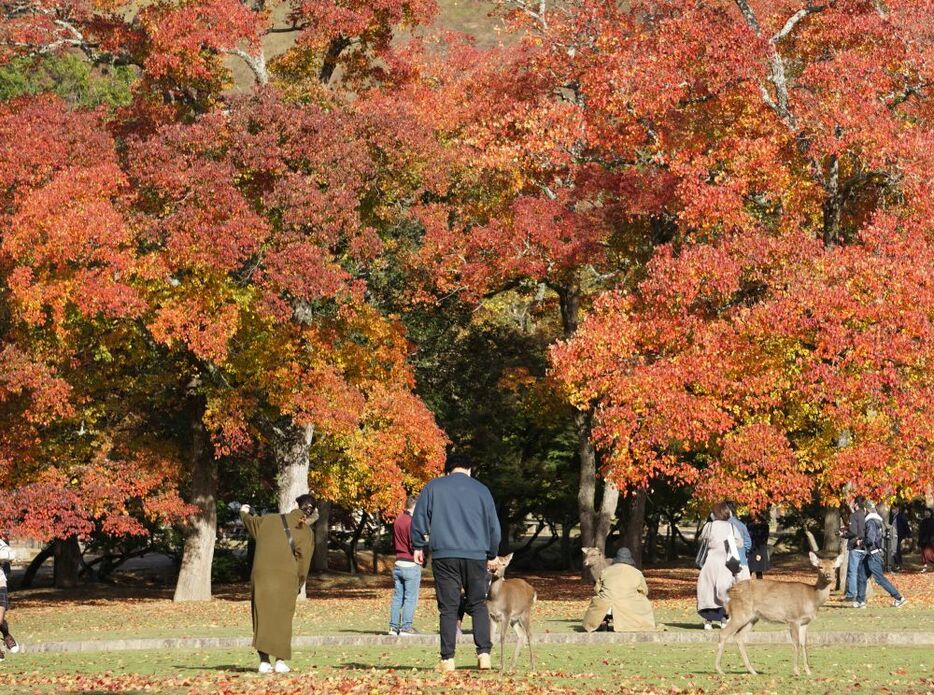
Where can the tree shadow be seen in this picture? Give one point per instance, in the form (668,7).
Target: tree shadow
(687,626)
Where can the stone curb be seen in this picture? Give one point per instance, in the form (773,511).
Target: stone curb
(903,639)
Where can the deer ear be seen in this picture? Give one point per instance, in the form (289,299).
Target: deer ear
(507,559)
(838,561)
(812,556)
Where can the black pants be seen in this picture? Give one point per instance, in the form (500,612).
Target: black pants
(451,575)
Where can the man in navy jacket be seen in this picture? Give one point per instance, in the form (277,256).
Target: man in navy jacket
(455,518)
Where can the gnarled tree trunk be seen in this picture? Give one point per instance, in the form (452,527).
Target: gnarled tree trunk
(194,576)
(831,544)
(319,562)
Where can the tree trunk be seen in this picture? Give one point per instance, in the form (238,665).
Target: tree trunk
(67,562)
(632,537)
(595,524)
(831,544)
(194,576)
(29,576)
(351,549)
(832,204)
(291,451)
(319,561)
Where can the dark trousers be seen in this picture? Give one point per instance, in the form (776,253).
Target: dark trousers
(451,575)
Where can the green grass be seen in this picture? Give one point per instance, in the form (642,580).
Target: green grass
(576,668)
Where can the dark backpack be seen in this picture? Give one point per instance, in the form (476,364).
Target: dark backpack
(874,534)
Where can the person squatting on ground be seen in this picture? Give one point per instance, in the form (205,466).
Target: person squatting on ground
(406,574)
(854,533)
(6,554)
(621,592)
(759,555)
(721,540)
(455,518)
(926,539)
(746,545)
(284,546)
(874,543)
(899,521)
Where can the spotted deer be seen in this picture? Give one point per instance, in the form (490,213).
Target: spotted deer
(792,603)
(510,602)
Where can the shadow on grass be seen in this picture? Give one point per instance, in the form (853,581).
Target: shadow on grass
(686,626)
(232,668)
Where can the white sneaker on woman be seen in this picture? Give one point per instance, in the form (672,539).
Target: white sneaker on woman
(281,666)
(265,667)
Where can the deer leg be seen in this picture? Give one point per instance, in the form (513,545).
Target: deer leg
(527,627)
(804,648)
(795,638)
(502,641)
(494,624)
(736,623)
(517,626)
(741,636)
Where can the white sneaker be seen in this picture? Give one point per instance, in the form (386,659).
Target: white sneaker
(707,625)
(281,666)
(265,667)
(899,602)
(393,633)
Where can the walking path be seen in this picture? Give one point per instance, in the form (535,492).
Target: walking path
(902,639)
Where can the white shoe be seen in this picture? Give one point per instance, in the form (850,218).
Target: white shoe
(265,667)
(393,633)
(281,666)
(707,625)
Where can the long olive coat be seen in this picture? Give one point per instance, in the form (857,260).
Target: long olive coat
(277,576)
(621,588)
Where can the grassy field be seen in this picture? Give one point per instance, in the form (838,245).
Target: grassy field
(340,604)
(622,668)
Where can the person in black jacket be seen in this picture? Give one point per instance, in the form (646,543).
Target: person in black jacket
(899,520)
(926,539)
(759,555)
(455,518)
(854,534)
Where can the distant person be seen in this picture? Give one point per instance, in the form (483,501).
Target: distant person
(746,544)
(621,594)
(874,543)
(455,518)
(926,539)
(899,521)
(854,534)
(406,574)
(6,554)
(284,546)
(759,555)
(721,565)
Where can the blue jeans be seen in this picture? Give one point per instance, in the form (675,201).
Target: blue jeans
(853,565)
(873,566)
(405,596)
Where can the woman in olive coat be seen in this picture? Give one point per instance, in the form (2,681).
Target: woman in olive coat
(279,572)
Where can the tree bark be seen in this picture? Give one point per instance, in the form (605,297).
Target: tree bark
(67,562)
(632,537)
(319,561)
(194,576)
(832,204)
(831,544)
(291,451)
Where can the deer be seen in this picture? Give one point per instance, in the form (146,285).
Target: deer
(595,561)
(510,602)
(792,603)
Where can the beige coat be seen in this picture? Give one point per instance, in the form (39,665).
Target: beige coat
(715,578)
(276,578)
(622,589)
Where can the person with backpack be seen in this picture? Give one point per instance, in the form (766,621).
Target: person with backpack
(899,520)
(6,554)
(874,542)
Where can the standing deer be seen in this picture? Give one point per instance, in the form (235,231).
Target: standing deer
(510,603)
(792,603)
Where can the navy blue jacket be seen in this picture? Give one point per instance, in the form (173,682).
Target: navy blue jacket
(457,516)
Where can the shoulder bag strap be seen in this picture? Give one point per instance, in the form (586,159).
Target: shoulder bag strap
(288,534)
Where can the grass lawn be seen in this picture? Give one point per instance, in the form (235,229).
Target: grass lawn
(560,668)
(343,604)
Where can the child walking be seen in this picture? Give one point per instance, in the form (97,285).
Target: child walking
(6,554)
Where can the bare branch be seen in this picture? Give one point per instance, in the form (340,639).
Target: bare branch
(793,21)
(257,63)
